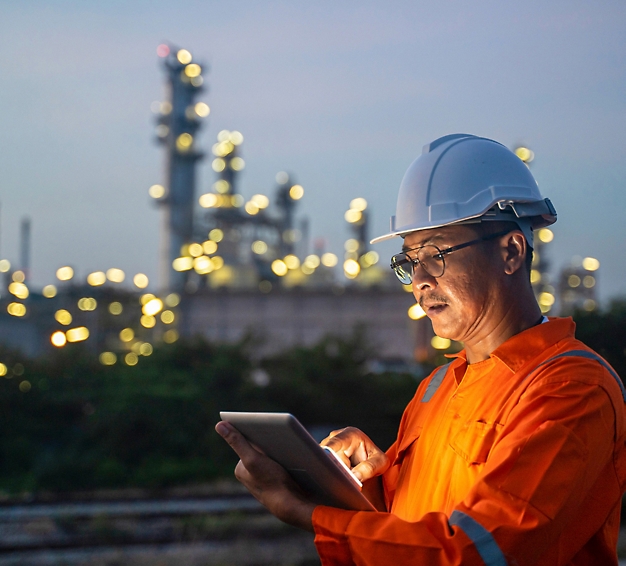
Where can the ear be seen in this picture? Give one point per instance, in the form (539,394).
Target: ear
(514,248)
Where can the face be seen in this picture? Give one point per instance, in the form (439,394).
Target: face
(463,302)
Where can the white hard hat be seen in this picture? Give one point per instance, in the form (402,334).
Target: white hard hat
(462,178)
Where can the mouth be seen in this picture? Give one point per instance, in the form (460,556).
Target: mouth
(434,310)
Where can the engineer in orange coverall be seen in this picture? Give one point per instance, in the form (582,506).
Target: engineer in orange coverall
(511,454)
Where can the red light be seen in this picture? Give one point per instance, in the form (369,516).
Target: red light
(163,50)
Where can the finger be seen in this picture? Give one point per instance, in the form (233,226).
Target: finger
(375,465)
(236,441)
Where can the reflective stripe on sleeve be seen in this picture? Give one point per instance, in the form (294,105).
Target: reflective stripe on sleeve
(435,382)
(484,542)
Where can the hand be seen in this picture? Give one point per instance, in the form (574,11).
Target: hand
(358,451)
(268,481)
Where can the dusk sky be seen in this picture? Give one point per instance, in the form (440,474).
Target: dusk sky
(343,95)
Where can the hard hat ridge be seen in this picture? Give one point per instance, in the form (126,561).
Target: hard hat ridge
(460,178)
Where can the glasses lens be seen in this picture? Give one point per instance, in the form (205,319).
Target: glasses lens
(403,268)
(431,259)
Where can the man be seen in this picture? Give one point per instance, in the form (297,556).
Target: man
(513,453)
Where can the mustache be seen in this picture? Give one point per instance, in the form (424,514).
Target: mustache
(432,299)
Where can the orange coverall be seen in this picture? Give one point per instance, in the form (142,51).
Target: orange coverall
(516,460)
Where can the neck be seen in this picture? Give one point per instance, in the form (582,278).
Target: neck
(502,326)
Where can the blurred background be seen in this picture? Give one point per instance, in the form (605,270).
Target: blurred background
(187,194)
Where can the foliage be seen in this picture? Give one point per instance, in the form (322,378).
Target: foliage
(87,426)
(605,332)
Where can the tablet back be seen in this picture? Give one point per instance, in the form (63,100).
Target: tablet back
(281,437)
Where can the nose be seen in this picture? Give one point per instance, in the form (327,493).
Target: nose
(422,280)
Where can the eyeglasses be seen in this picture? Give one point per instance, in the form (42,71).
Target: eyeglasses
(430,257)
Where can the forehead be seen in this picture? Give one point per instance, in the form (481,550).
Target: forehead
(444,236)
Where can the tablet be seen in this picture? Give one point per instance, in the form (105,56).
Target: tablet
(318,471)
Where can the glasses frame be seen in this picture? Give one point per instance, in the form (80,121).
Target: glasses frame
(440,254)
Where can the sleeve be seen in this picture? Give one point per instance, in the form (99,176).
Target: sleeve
(551,454)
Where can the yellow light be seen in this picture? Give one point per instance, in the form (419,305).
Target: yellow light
(351,268)
(296,192)
(203,265)
(19,290)
(115,275)
(96,278)
(183,56)
(259,247)
(218,165)
(131,359)
(440,343)
(184,141)
(141,280)
(352,216)
(182,264)
(152,307)
(116,308)
(223,135)
(165,107)
(147,321)
(156,191)
(3,370)
(127,334)
(235,137)
(49,291)
(535,276)
(216,235)
(369,259)
(312,261)
(591,264)
(172,300)
(307,269)
(58,339)
(25,386)
(291,261)
(589,281)
(208,200)
(329,260)
(195,250)
(525,154)
(87,304)
(222,149)
(251,208)
(209,247)
(416,312)
(77,334)
(167,317)
(145,349)
(222,186)
(217,262)
(65,273)
(546,235)
(407,288)
(162,131)
(18,276)
(16,309)
(193,70)
(146,297)
(202,109)
(573,281)
(546,299)
(260,201)
(358,204)
(63,317)
(5,265)
(279,267)
(237,164)
(589,305)
(107,358)
(170,336)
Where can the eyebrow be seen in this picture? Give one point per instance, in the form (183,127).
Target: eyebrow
(431,240)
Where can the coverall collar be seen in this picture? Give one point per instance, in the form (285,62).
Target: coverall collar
(526,345)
